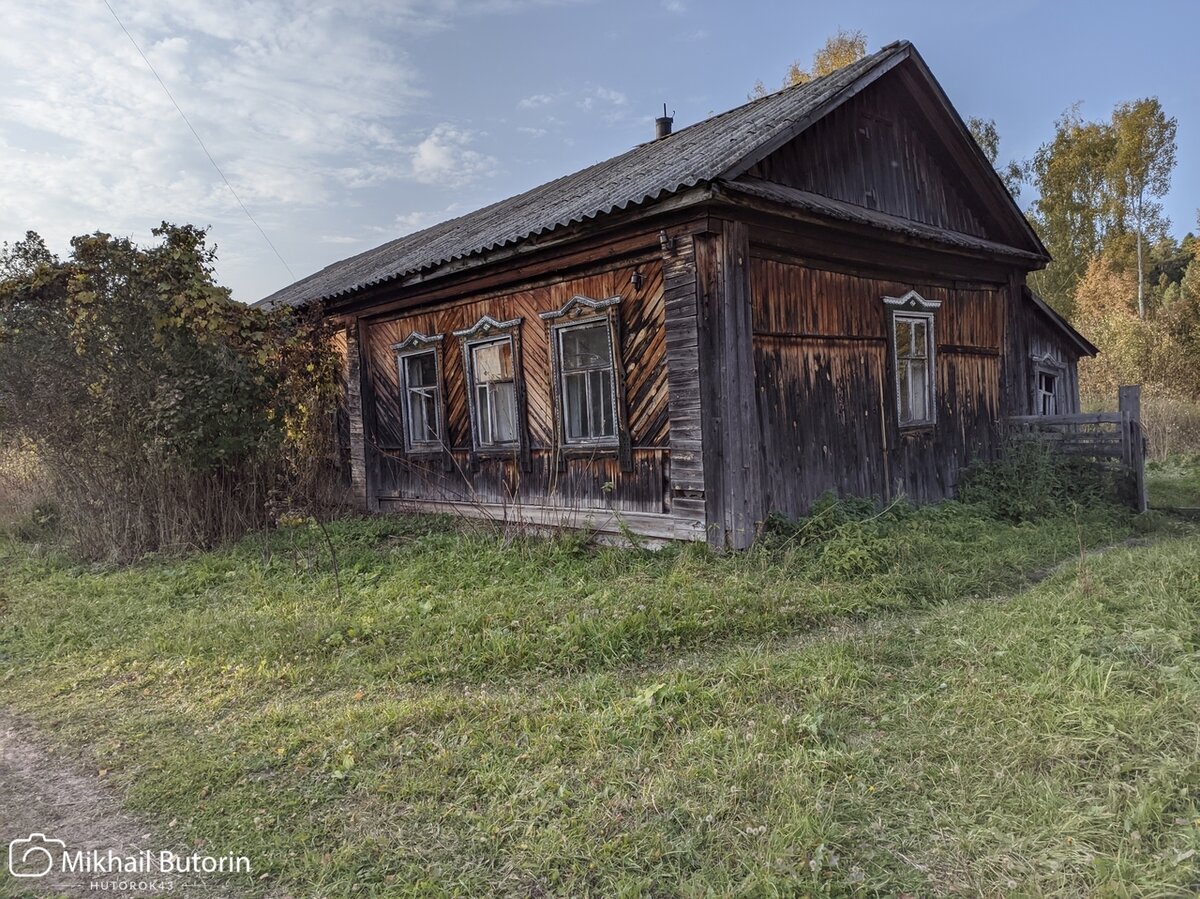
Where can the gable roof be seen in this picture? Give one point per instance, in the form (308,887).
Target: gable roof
(722,146)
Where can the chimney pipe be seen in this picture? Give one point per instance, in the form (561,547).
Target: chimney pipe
(662,125)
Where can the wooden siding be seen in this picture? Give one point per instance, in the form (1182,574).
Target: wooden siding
(551,476)
(733,454)
(825,389)
(1033,343)
(875,151)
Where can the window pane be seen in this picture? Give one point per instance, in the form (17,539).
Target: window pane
(903,338)
(919,375)
(585,347)
(422,413)
(575,401)
(422,370)
(483,413)
(493,362)
(918,339)
(504,412)
(904,390)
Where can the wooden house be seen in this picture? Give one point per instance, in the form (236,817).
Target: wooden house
(821,290)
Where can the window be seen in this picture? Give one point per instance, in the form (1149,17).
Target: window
(912,343)
(422,399)
(1047,393)
(495,393)
(586,381)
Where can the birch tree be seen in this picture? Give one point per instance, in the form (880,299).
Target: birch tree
(1143,159)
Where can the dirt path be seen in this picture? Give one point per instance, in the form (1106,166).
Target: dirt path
(42,793)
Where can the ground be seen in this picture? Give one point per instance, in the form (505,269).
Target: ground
(929,702)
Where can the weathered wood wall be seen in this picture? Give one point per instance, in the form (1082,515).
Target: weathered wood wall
(825,389)
(876,151)
(552,476)
(1032,340)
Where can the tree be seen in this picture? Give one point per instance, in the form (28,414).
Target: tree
(988,137)
(1076,209)
(163,412)
(23,258)
(838,52)
(1142,162)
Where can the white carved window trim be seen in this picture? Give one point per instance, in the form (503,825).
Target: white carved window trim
(417,344)
(485,332)
(913,308)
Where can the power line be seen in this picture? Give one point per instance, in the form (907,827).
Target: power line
(196,135)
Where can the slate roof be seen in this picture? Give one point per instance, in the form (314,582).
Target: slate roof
(693,155)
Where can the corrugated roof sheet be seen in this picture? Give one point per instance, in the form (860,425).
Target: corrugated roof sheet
(699,153)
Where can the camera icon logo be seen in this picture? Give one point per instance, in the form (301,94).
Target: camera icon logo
(33,856)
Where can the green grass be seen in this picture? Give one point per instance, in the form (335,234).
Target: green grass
(1174,483)
(845,710)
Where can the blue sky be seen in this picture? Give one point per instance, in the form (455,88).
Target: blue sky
(342,125)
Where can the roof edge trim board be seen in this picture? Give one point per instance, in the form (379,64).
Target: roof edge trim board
(765,149)
(809,207)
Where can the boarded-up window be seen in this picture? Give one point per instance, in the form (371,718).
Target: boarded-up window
(912,344)
(422,399)
(585,365)
(494,386)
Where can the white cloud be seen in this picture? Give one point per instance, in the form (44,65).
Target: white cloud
(675,6)
(535,101)
(299,102)
(444,157)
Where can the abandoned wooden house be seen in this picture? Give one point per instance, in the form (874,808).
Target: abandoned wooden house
(821,290)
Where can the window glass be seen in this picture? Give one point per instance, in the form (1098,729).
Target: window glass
(913,346)
(495,392)
(421,398)
(588,382)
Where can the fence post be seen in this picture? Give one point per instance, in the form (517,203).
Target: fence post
(1130,404)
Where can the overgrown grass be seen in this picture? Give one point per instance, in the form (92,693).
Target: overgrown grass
(546,718)
(1174,483)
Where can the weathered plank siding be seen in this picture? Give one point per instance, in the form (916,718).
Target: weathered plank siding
(875,151)
(552,475)
(1032,345)
(825,388)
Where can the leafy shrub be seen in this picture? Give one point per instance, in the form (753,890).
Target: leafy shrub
(1030,481)
(162,412)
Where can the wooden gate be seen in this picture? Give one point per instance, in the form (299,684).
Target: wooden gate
(1111,439)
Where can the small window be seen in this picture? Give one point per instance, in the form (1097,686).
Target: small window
(422,399)
(495,393)
(1047,393)
(912,342)
(586,376)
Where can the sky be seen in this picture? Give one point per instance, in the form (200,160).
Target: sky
(342,124)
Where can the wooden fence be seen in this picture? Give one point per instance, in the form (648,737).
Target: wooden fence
(1114,440)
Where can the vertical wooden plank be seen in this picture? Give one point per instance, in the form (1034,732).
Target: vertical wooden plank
(686,472)
(1130,405)
(736,506)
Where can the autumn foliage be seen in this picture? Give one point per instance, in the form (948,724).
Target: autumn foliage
(163,413)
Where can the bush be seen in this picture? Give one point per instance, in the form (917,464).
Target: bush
(162,413)
(1030,481)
